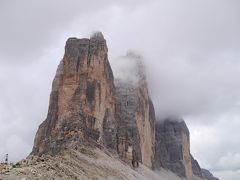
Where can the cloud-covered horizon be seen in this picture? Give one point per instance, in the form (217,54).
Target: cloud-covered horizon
(191,50)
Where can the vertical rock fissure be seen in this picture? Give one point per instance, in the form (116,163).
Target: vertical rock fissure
(78,63)
(88,53)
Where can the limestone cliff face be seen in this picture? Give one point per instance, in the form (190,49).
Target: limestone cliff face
(136,118)
(172,150)
(196,168)
(173,147)
(207,175)
(85,108)
(82,103)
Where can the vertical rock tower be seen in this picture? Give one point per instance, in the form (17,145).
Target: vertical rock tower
(82,105)
(173,147)
(135,115)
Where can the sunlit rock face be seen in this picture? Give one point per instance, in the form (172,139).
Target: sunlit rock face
(135,114)
(82,103)
(85,106)
(173,147)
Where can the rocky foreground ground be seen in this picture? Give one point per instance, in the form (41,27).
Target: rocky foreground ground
(85,163)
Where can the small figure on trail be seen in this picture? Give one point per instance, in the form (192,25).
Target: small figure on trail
(6,159)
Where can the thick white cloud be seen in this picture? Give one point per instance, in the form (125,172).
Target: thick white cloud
(228,175)
(191,49)
(215,143)
(230,161)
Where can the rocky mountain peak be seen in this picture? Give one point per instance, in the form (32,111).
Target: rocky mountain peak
(82,105)
(97,35)
(173,147)
(91,111)
(130,69)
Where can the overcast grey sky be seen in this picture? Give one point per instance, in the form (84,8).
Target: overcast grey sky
(191,49)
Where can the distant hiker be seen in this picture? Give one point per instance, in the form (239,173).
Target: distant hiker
(6,159)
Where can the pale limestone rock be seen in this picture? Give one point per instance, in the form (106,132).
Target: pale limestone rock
(82,104)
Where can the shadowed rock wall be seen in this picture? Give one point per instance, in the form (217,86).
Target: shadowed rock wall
(173,147)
